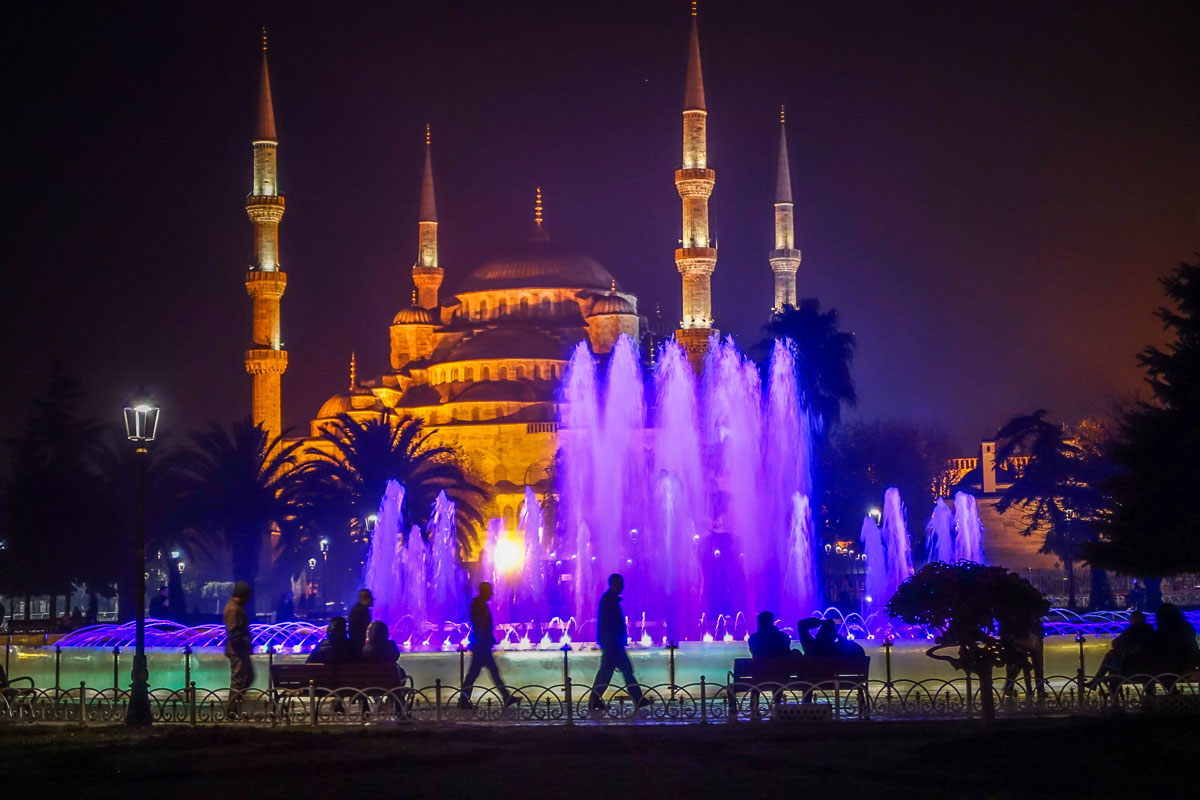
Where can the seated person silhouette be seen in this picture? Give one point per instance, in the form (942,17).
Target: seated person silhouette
(768,641)
(828,643)
(380,649)
(1133,651)
(335,647)
(1174,643)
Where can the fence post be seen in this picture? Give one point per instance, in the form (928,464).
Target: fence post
(82,704)
(7,646)
(270,663)
(312,703)
(671,648)
(462,665)
(570,703)
(703,702)
(1081,675)
(191,690)
(970,707)
(887,663)
(187,666)
(730,701)
(116,672)
(837,697)
(57,669)
(437,695)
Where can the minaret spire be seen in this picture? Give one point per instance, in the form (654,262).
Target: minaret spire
(353,372)
(427,275)
(696,257)
(785,258)
(265,360)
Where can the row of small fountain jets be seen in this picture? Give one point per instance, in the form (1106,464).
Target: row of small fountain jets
(657,489)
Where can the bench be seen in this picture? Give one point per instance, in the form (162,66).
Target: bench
(847,675)
(366,679)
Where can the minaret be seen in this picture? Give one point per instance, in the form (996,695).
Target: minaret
(266,360)
(785,258)
(427,275)
(695,258)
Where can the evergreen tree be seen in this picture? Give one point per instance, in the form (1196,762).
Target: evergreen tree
(1153,526)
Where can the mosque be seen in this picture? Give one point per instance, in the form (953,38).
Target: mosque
(481,365)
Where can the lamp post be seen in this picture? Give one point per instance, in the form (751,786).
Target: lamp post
(325,571)
(141,423)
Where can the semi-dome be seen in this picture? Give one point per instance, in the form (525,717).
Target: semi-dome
(611,304)
(540,263)
(360,399)
(413,315)
(507,342)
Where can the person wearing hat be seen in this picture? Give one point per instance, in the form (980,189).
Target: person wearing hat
(360,620)
(238,646)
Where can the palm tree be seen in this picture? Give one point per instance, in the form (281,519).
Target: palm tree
(823,358)
(1056,490)
(233,486)
(359,458)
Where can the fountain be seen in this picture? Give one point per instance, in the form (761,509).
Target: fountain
(968,530)
(939,536)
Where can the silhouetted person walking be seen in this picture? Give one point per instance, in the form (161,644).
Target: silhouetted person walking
(612,637)
(238,646)
(360,620)
(483,638)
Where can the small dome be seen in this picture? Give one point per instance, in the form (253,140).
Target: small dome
(611,304)
(413,315)
(347,402)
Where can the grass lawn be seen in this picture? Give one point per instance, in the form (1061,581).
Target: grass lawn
(1127,758)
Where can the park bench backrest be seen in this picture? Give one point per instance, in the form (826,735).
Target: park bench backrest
(334,676)
(800,669)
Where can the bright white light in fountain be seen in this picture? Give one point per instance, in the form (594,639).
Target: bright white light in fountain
(509,555)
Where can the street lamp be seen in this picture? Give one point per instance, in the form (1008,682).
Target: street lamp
(141,424)
(325,570)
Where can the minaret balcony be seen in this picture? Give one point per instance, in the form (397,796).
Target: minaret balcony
(695,182)
(784,259)
(696,259)
(266,360)
(265,283)
(265,207)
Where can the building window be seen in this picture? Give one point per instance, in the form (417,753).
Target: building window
(544,307)
(537,372)
(454,374)
(483,309)
(475,414)
(502,307)
(504,373)
(487,373)
(470,373)
(524,306)
(520,373)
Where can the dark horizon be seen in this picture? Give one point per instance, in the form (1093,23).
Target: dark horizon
(987,195)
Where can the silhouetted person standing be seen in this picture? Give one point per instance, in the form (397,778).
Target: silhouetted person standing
(612,637)
(360,620)
(238,646)
(160,605)
(483,638)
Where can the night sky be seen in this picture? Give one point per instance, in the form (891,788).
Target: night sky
(986,192)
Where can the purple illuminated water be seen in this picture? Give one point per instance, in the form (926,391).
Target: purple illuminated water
(939,536)
(705,510)
(968,530)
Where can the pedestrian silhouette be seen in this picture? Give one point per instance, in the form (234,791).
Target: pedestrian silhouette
(483,637)
(612,637)
(238,645)
(334,648)
(360,620)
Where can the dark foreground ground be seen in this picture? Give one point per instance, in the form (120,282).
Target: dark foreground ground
(1127,758)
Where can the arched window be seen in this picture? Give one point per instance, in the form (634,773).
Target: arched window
(504,373)
(544,307)
(486,373)
(502,308)
(475,414)
(454,374)
(483,309)
(537,372)
(524,306)
(520,373)
(470,373)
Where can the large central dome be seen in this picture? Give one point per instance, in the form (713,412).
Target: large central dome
(540,263)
